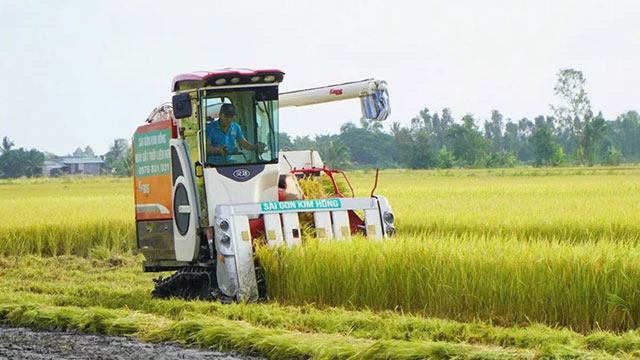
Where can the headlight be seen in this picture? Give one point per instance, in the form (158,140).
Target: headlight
(388,217)
(224,225)
(390,231)
(225,239)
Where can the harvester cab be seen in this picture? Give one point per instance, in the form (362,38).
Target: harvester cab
(210,181)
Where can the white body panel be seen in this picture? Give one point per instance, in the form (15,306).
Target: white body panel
(322,221)
(291,229)
(338,92)
(185,245)
(273,230)
(341,230)
(223,190)
(373,94)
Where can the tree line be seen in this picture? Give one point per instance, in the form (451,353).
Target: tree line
(572,134)
(19,162)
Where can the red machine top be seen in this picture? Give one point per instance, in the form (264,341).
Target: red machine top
(227,76)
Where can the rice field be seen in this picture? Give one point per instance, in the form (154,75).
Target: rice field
(487,264)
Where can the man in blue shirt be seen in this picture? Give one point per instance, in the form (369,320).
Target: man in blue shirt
(222,135)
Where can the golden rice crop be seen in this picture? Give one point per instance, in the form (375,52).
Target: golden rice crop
(566,204)
(66,216)
(504,280)
(510,246)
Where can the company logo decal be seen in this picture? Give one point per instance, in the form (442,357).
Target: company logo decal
(241,173)
(335,91)
(144,188)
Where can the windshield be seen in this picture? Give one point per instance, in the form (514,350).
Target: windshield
(241,126)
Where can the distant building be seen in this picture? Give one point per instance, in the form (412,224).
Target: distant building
(54,167)
(74,166)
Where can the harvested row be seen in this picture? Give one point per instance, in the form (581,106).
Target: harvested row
(225,335)
(116,302)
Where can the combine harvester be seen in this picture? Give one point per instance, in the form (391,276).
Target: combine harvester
(201,205)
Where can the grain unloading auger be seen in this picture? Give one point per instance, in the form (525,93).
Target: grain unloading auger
(210,181)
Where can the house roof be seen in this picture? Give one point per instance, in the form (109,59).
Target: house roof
(82,160)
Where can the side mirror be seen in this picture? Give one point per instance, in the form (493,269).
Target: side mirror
(181,106)
(198,169)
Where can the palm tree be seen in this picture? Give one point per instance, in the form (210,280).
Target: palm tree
(6,145)
(338,155)
(33,162)
(395,128)
(118,158)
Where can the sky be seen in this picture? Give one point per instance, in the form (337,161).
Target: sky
(83,73)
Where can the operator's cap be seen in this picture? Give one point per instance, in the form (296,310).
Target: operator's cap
(228,110)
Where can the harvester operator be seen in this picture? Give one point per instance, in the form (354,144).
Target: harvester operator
(222,135)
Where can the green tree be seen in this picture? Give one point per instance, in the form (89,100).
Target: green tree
(558,157)
(510,139)
(525,130)
(423,154)
(284,141)
(542,140)
(337,155)
(414,145)
(304,143)
(445,158)
(594,131)
(368,144)
(493,131)
(575,112)
(118,158)
(614,156)
(435,126)
(468,145)
(625,134)
(6,145)
(403,143)
(20,162)
(34,160)
(88,152)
